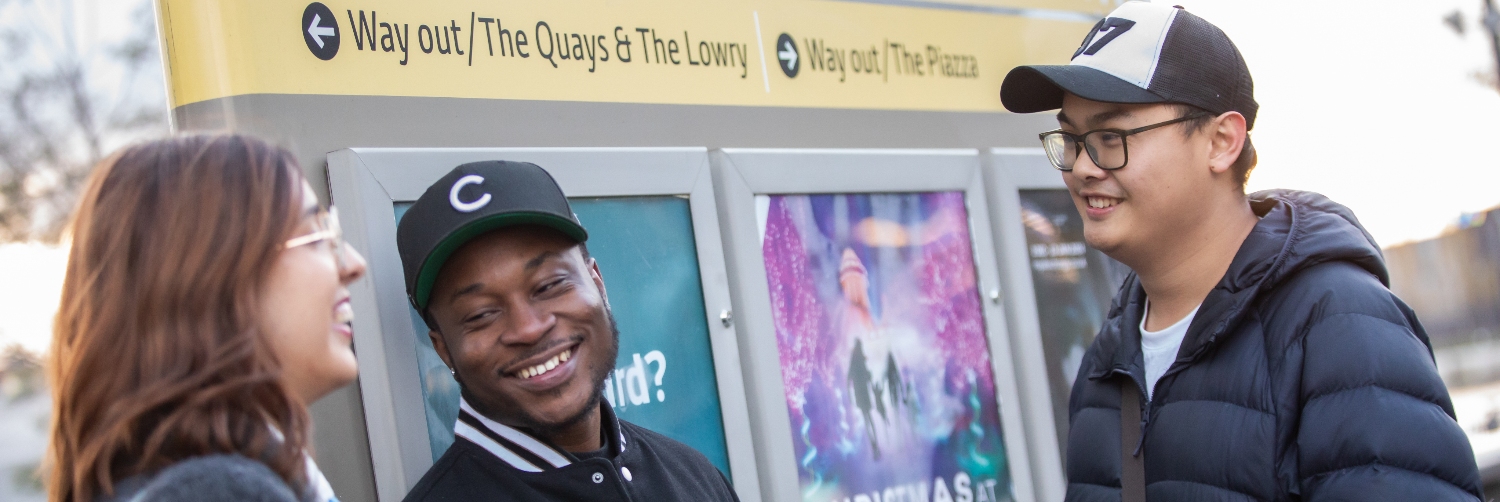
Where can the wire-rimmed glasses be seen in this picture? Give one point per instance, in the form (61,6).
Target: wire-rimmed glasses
(329,233)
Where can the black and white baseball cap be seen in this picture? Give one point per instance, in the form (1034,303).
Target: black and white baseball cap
(1142,53)
(469,201)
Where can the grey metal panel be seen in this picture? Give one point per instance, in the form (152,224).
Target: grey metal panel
(1025,168)
(1002,357)
(741,174)
(406,172)
(389,383)
(733,403)
(1006,171)
(752,303)
(768,171)
(340,445)
(311,126)
(367,182)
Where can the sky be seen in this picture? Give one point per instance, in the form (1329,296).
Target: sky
(31,274)
(1374,104)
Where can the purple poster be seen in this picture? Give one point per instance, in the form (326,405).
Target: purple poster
(884,358)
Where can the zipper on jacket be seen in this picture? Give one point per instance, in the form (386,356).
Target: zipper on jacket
(1145,418)
(1145,409)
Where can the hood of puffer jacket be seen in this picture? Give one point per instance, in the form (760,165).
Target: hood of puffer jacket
(1297,230)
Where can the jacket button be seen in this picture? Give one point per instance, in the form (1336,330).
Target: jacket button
(625,471)
(598,478)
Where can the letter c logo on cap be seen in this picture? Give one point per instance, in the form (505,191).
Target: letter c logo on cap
(467,207)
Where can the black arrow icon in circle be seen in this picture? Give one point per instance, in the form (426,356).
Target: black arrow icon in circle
(320,30)
(786,54)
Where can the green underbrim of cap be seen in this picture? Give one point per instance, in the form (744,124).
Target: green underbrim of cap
(450,244)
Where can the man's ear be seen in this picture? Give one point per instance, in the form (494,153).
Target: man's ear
(1226,139)
(598,279)
(441,346)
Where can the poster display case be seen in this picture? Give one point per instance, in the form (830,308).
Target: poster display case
(1060,289)
(652,221)
(878,362)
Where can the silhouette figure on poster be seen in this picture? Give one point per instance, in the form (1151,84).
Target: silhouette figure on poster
(860,386)
(894,386)
(881,390)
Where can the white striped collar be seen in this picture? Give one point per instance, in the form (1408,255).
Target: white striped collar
(522,450)
(507,443)
(468,432)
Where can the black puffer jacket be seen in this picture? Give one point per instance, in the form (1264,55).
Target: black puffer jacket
(1301,378)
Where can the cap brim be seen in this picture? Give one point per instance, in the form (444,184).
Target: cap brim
(1029,89)
(427,276)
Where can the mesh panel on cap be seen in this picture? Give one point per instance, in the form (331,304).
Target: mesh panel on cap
(1200,66)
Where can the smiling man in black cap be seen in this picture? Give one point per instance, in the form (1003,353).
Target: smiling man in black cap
(1256,352)
(495,262)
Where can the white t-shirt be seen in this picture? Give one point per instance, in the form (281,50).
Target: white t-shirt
(1159,348)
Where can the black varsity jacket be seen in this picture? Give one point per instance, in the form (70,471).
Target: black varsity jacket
(490,461)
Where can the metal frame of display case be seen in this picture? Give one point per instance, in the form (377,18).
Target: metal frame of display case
(742,174)
(1007,171)
(367,183)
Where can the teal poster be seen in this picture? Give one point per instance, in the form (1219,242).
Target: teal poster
(664,377)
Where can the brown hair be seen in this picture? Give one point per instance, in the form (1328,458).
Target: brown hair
(1242,164)
(155,355)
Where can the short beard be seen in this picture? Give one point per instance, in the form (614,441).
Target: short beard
(522,419)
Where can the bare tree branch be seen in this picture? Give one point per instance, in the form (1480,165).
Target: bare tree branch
(63,105)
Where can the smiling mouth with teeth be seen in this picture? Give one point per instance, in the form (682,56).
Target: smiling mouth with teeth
(1102,202)
(543,368)
(344,314)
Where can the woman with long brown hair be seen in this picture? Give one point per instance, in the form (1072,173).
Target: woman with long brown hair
(205,306)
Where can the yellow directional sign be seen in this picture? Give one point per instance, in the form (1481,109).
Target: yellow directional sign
(913,56)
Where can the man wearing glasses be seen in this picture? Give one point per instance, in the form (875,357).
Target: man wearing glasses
(1256,352)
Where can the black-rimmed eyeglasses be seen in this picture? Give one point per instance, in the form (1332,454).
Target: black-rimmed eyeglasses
(1106,147)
